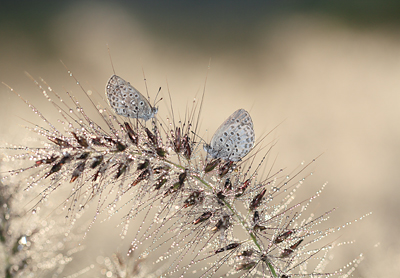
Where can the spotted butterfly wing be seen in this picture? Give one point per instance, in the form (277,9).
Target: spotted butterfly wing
(127,101)
(234,139)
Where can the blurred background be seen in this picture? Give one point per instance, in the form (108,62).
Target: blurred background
(330,70)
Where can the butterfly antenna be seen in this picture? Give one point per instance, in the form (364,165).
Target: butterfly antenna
(201,139)
(155,102)
(109,55)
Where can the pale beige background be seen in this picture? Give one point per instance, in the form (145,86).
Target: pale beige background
(335,85)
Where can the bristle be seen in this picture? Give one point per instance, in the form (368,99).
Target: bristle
(209,217)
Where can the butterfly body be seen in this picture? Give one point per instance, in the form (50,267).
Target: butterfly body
(234,139)
(127,101)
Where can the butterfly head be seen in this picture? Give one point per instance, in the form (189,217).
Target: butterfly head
(147,116)
(208,149)
(154,111)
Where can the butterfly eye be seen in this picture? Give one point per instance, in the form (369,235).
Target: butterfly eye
(130,94)
(136,95)
(225,134)
(141,103)
(220,139)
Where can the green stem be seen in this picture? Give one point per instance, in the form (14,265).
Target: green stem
(271,268)
(176,165)
(252,236)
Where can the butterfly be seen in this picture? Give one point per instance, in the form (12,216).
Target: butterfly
(234,139)
(127,101)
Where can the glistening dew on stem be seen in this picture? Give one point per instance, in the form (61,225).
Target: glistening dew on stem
(188,212)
